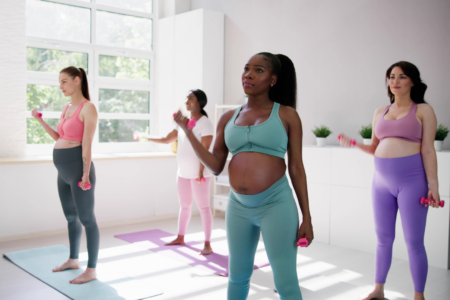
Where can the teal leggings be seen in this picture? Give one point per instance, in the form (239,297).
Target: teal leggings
(274,214)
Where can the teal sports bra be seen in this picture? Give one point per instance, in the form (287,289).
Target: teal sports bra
(269,137)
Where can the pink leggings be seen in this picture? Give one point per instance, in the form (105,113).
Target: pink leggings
(188,189)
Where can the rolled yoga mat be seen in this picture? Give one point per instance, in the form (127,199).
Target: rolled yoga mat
(110,284)
(216,262)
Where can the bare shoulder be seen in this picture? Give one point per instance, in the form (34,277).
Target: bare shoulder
(288,114)
(425,108)
(379,111)
(88,107)
(226,117)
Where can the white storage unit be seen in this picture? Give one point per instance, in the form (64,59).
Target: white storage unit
(339,188)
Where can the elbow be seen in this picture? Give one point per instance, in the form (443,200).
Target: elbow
(297,171)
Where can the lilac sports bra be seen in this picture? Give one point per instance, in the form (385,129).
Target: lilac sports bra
(406,128)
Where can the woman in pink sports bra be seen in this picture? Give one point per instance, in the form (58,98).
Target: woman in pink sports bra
(76,173)
(405,171)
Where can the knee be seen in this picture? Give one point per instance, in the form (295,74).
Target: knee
(385,240)
(205,210)
(415,244)
(72,218)
(88,220)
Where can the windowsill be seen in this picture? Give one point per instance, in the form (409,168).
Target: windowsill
(95,157)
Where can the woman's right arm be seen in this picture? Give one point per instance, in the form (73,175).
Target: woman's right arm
(216,160)
(369,149)
(172,136)
(53,133)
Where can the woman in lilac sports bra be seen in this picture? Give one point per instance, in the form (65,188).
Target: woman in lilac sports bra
(405,171)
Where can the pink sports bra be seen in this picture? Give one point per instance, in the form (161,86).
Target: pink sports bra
(71,128)
(406,128)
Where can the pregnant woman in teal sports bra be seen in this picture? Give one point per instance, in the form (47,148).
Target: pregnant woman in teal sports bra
(258,134)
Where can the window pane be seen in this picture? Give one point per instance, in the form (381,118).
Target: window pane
(48,60)
(121,130)
(124,31)
(58,21)
(124,67)
(138,5)
(124,101)
(45,98)
(36,133)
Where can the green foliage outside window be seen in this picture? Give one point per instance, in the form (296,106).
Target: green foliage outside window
(48,60)
(36,134)
(45,98)
(124,101)
(121,130)
(124,67)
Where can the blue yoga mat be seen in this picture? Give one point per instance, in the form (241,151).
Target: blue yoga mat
(110,285)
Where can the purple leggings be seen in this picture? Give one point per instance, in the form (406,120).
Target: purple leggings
(398,184)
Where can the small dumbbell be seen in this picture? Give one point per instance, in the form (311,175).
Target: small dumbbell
(87,185)
(39,115)
(424,200)
(302,242)
(352,142)
(190,124)
(203,180)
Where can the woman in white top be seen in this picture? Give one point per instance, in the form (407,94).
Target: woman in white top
(193,179)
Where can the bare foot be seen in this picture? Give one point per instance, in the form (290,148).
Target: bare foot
(378,292)
(87,276)
(178,241)
(69,264)
(207,249)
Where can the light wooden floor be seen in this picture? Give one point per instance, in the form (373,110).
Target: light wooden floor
(325,272)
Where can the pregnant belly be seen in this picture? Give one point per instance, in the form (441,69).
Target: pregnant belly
(252,172)
(392,148)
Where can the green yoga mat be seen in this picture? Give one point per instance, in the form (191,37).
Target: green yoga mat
(110,285)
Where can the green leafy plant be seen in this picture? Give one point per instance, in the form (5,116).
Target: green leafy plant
(441,132)
(322,131)
(366,132)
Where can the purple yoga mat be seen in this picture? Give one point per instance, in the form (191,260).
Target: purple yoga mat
(216,262)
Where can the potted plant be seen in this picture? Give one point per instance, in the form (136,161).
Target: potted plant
(321,134)
(441,134)
(366,133)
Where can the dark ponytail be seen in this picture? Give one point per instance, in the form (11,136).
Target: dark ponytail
(202,100)
(80,73)
(417,91)
(285,90)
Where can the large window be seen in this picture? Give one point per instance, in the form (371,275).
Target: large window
(113,41)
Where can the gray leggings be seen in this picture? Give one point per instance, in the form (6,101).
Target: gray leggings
(78,205)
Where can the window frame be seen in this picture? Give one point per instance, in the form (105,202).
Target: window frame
(96,82)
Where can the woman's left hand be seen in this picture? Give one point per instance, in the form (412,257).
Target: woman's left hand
(199,178)
(181,120)
(84,181)
(306,231)
(433,194)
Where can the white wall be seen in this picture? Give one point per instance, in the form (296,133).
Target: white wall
(127,190)
(341,50)
(12,78)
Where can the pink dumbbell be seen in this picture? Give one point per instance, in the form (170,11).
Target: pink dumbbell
(302,242)
(424,200)
(352,142)
(39,115)
(190,124)
(87,185)
(203,180)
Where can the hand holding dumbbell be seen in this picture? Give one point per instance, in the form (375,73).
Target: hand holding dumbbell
(86,185)
(424,200)
(303,242)
(190,124)
(352,142)
(203,180)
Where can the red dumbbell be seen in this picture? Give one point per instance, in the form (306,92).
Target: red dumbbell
(190,124)
(87,185)
(352,142)
(39,115)
(302,242)
(424,200)
(203,180)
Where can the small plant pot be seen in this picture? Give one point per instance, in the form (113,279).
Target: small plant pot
(367,141)
(174,146)
(438,145)
(321,141)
